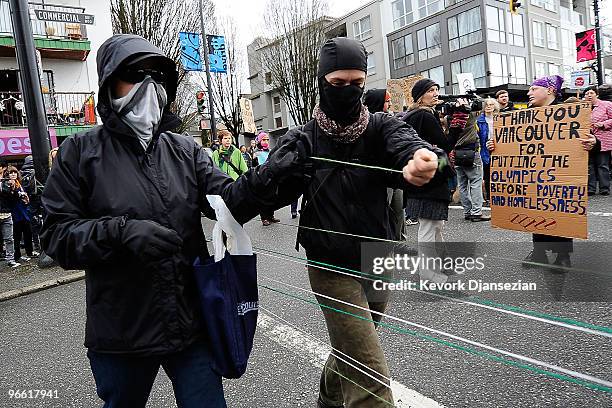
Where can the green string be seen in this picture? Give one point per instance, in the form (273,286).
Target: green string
(310,262)
(470,299)
(470,350)
(442,163)
(342,233)
(325,159)
(605,329)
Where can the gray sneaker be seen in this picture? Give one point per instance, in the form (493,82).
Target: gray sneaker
(13,264)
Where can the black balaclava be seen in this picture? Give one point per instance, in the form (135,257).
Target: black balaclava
(374,99)
(341,104)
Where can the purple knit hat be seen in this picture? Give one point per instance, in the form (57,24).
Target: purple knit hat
(551,81)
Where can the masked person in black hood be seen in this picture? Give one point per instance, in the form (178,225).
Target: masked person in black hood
(350,201)
(123,201)
(377,100)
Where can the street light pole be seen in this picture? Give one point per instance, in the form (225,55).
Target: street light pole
(213,124)
(30,86)
(600,72)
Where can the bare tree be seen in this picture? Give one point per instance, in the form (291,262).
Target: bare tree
(291,55)
(160,22)
(227,88)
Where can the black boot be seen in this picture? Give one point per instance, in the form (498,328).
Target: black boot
(536,256)
(321,404)
(563,263)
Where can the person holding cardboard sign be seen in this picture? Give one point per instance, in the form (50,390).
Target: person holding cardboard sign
(545,92)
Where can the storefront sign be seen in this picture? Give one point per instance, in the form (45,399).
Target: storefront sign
(16,142)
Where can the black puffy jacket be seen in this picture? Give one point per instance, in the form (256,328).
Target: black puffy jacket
(345,198)
(104,174)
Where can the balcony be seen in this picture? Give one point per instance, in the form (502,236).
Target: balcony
(571,17)
(64,110)
(52,39)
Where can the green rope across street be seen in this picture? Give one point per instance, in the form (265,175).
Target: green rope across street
(489,356)
(453,296)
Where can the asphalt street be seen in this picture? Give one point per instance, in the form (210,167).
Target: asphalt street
(547,350)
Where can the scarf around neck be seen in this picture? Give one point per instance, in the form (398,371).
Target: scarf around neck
(339,133)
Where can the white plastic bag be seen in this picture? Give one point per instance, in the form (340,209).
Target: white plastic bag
(238,241)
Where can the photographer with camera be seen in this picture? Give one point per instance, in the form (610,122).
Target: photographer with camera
(19,203)
(464,111)
(429,203)
(7,198)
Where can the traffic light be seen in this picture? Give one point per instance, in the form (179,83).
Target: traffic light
(200,102)
(514,5)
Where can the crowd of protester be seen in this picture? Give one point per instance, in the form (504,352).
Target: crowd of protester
(138,245)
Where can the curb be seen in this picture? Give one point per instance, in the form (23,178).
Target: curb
(15,293)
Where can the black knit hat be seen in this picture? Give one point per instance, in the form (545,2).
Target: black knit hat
(342,53)
(421,87)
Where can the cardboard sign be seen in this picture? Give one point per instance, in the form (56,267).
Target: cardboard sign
(401,92)
(246,111)
(407,85)
(466,83)
(539,170)
(394,87)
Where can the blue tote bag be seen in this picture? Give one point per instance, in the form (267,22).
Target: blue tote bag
(227,284)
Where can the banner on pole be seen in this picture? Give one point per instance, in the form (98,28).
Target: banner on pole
(585,46)
(539,170)
(190,51)
(217,54)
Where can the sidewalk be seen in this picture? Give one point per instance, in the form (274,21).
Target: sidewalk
(31,277)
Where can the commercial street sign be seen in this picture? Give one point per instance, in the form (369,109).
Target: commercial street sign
(64,17)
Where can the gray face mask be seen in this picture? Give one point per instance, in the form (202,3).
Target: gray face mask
(141,109)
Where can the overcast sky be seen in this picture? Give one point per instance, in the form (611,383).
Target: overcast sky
(248,13)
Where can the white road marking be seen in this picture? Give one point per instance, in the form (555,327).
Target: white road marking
(596,213)
(316,352)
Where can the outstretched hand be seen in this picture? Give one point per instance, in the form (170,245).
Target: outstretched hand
(421,169)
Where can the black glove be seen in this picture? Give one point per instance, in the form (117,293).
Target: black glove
(288,159)
(148,240)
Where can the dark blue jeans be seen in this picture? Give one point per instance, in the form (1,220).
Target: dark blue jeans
(126,381)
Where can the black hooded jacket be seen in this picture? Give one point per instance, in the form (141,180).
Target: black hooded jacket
(374,99)
(348,199)
(103,174)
